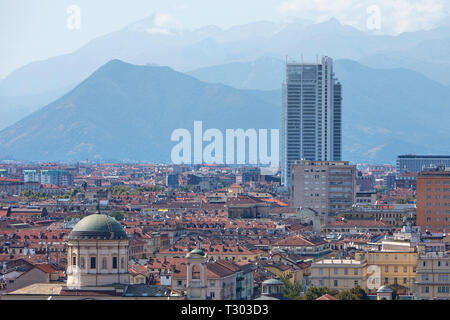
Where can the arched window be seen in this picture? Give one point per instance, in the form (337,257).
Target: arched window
(196,272)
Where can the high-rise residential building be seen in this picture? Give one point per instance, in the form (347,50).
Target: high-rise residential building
(31,176)
(433,200)
(327,187)
(172,180)
(56,177)
(414,163)
(311,114)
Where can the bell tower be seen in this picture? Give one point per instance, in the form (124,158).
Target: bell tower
(196,274)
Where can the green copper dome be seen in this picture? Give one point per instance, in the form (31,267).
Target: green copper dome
(98,226)
(197,251)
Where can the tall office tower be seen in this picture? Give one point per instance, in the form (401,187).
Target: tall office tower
(311,115)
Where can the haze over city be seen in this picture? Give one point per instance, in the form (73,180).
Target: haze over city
(244,151)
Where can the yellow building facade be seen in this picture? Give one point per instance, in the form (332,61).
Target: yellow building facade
(393,265)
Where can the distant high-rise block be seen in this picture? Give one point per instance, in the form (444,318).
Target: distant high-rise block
(311,115)
(56,177)
(327,187)
(415,163)
(433,199)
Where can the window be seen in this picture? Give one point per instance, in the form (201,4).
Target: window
(104,263)
(336,270)
(386,268)
(74,260)
(93,263)
(114,262)
(335,283)
(345,271)
(405,269)
(355,271)
(443,289)
(82,263)
(122,263)
(443,277)
(405,280)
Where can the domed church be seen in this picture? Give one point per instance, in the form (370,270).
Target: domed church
(97,252)
(97,267)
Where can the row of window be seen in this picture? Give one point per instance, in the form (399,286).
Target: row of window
(439,263)
(336,283)
(93,262)
(439,189)
(439,211)
(386,257)
(438,182)
(441,289)
(438,204)
(441,277)
(438,220)
(336,271)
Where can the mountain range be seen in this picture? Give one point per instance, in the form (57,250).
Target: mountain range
(143,43)
(114,99)
(128,112)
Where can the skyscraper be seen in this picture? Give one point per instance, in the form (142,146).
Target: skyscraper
(311,114)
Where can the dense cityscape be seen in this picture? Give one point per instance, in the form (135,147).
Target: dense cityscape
(253,238)
(106,194)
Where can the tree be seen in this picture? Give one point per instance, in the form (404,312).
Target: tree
(315,292)
(356,293)
(292,291)
(117,215)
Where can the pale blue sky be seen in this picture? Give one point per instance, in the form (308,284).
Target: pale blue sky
(36,29)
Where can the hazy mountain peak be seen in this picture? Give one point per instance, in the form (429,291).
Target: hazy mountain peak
(157,23)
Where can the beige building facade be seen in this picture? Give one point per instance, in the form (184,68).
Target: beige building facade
(327,187)
(338,274)
(433,276)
